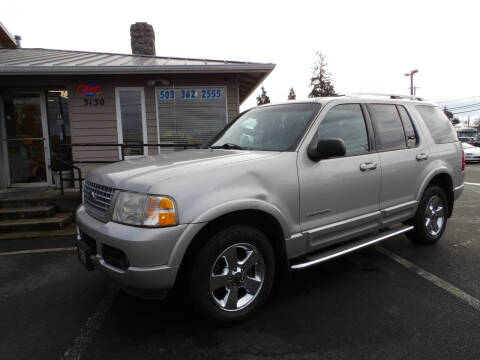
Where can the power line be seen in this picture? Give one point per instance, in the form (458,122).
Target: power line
(463,106)
(461,112)
(455,100)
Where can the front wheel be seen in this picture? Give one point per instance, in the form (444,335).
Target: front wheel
(431,217)
(233,274)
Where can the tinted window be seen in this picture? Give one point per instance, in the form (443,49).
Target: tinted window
(347,123)
(389,132)
(410,133)
(438,124)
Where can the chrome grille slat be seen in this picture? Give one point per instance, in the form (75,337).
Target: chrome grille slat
(98,197)
(99,192)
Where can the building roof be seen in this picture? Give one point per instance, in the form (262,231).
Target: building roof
(37,61)
(6,39)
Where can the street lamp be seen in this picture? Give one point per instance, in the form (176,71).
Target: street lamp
(411,73)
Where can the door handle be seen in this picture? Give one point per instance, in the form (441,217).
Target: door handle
(422,156)
(371,165)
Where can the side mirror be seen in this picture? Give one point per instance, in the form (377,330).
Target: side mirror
(326,148)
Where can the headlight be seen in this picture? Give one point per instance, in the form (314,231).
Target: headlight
(129,208)
(147,210)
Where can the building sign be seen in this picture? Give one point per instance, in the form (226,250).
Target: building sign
(89,89)
(190,94)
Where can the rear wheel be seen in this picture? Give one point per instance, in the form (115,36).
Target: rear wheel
(431,217)
(232,275)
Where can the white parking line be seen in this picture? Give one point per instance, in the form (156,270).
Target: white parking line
(90,327)
(474,184)
(462,295)
(38,251)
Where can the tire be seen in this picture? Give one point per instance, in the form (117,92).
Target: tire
(213,280)
(431,217)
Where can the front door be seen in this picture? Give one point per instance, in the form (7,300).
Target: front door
(25,140)
(339,197)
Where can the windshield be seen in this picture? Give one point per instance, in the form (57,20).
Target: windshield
(272,128)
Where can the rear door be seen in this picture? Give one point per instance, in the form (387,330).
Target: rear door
(339,197)
(403,157)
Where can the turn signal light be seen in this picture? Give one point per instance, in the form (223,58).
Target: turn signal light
(159,211)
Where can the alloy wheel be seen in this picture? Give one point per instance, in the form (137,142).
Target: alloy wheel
(237,277)
(434,215)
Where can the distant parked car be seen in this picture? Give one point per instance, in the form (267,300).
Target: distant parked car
(472,153)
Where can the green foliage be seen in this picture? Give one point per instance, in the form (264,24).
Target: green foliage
(263,97)
(448,113)
(321,81)
(292,95)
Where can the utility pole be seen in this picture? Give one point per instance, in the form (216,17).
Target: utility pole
(411,73)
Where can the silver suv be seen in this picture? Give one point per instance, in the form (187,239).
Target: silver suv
(281,188)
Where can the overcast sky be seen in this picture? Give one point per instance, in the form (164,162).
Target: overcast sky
(369,44)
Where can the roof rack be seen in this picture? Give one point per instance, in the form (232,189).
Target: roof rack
(391,96)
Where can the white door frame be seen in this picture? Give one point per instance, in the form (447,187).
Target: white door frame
(119,119)
(46,142)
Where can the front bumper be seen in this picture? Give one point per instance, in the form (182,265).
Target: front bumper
(147,251)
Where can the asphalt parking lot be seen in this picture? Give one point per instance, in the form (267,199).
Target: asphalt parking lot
(398,301)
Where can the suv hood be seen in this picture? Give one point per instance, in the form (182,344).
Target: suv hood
(141,173)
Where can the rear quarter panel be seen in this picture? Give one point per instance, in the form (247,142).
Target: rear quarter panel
(443,158)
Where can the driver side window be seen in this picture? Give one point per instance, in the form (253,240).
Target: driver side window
(346,122)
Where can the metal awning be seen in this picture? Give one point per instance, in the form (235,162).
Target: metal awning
(25,61)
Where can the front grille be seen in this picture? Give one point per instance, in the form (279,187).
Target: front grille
(97,197)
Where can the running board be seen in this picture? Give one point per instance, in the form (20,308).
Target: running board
(348,248)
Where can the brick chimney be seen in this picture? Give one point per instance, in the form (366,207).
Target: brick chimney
(142,38)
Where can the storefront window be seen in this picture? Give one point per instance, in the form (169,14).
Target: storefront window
(59,127)
(190,115)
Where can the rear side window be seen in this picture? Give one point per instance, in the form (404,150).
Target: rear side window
(437,123)
(389,134)
(410,134)
(346,122)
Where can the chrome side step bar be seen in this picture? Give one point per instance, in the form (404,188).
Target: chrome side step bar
(348,248)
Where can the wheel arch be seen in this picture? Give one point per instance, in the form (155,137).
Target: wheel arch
(263,220)
(444,180)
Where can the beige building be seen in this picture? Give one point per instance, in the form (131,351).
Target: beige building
(60,106)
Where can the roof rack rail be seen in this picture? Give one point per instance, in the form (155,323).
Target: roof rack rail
(391,96)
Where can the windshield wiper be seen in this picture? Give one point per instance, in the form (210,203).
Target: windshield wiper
(228,146)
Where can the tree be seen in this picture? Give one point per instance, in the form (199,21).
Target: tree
(263,97)
(321,81)
(292,95)
(448,113)
(450,116)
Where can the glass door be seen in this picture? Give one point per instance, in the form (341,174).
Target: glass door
(26,140)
